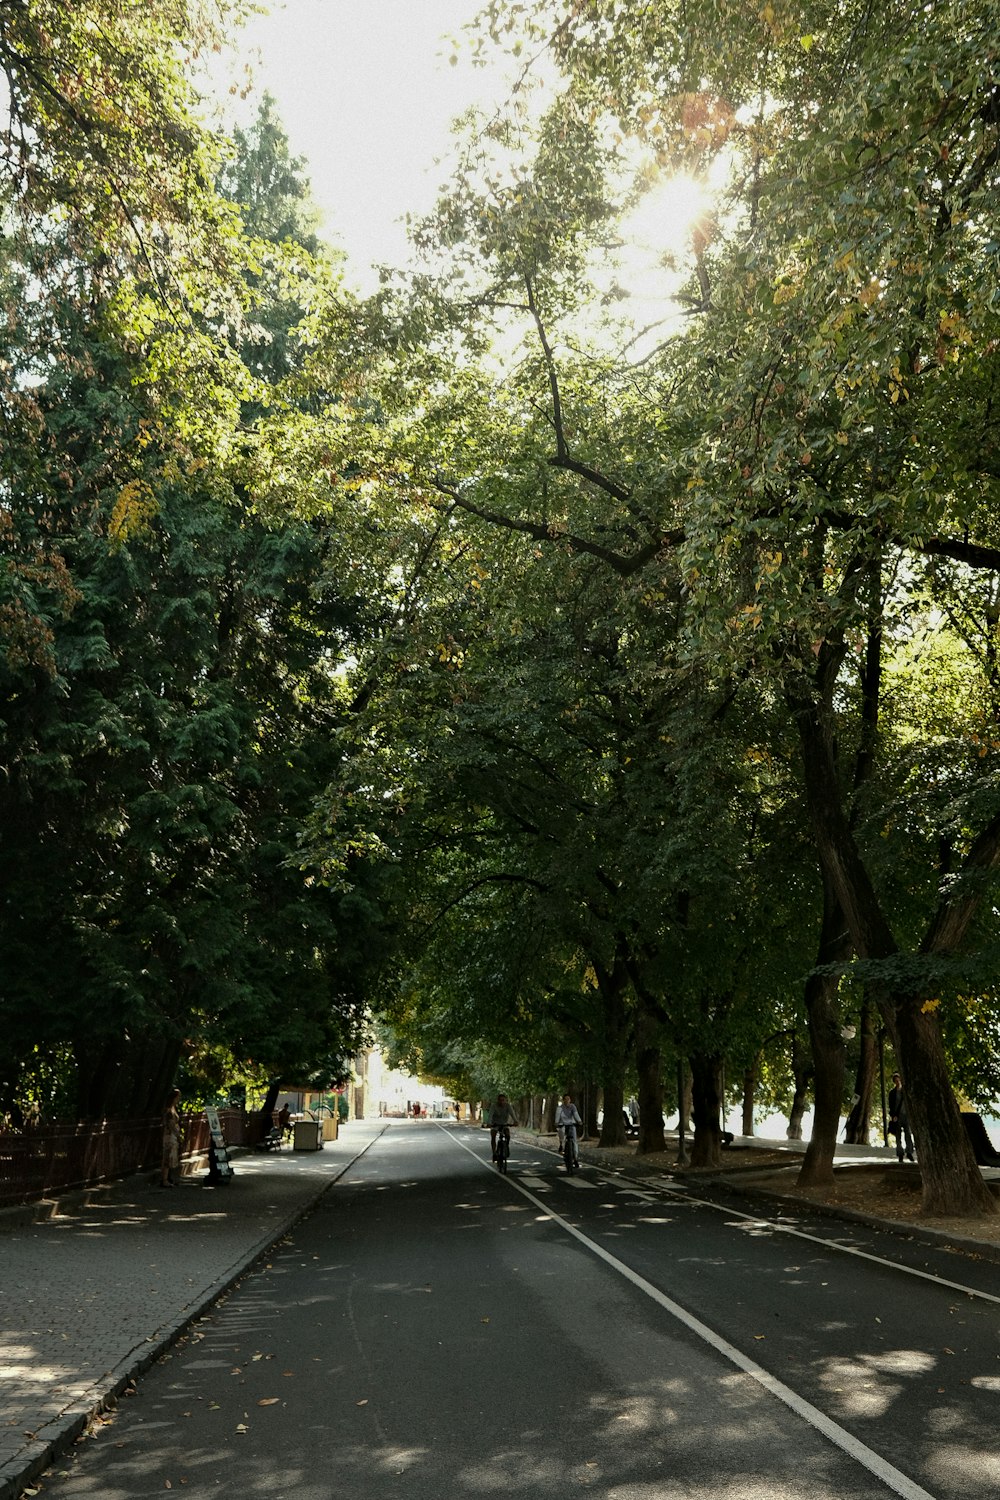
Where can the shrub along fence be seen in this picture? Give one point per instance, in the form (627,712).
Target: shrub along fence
(45,1159)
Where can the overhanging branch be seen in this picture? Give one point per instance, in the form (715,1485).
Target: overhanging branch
(622,563)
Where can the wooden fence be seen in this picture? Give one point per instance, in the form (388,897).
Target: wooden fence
(47,1159)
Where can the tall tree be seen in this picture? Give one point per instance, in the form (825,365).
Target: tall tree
(811,449)
(169,695)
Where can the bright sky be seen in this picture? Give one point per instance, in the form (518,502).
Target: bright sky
(366,93)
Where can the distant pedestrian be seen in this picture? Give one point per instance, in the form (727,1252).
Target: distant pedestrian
(899,1122)
(171,1141)
(285,1121)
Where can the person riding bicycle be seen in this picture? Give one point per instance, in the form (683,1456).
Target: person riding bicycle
(501,1115)
(568,1114)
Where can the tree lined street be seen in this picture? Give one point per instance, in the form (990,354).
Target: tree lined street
(583,667)
(432,1327)
(572,666)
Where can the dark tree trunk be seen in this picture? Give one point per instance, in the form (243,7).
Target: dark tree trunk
(828,1081)
(706,1084)
(163,1078)
(801,1079)
(551,1105)
(688,1097)
(98,1070)
(152,1066)
(613,985)
(951,1181)
(266,1113)
(749,1093)
(684,1132)
(859,1120)
(125,1077)
(649,1066)
(585,1096)
(826,1043)
(613,1123)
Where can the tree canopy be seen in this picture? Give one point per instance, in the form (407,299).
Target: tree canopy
(587,666)
(770,506)
(169,705)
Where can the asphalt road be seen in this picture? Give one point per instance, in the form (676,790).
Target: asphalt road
(435,1331)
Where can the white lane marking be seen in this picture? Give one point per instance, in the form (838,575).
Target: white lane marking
(876,1465)
(681,1196)
(538,1183)
(577,1181)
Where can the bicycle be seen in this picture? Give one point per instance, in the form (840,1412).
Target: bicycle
(503,1148)
(570,1154)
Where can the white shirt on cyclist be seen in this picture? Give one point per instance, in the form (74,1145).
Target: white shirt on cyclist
(567,1114)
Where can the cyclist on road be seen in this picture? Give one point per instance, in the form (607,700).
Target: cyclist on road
(500,1115)
(568,1114)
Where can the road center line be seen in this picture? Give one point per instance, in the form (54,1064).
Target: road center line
(876,1465)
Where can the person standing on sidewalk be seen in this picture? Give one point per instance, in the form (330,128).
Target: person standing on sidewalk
(171,1141)
(899,1123)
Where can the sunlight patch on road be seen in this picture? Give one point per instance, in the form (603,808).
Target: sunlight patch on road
(870,1385)
(903,1361)
(399,1460)
(511,1472)
(963,1470)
